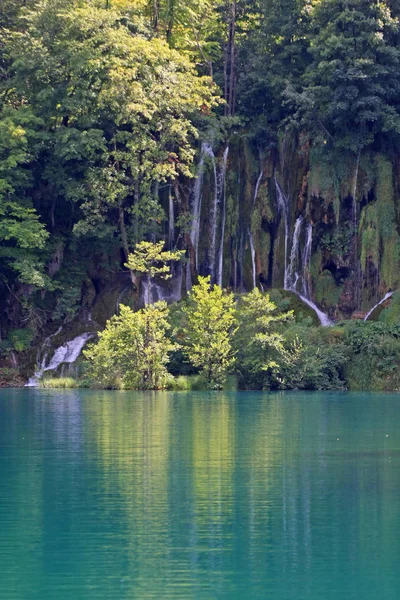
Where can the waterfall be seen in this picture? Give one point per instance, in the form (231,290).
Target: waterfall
(257,188)
(291,274)
(323,317)
(222,194)
(251,240)
(302,259)
(253,259)
(298,266)
(283,209)
(385,297)
(214,211)
(307,261)
(216,247)
(171,291)
(171,220)
(67,353)
(196,202)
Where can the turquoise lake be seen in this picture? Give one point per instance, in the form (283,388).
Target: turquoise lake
(114,495)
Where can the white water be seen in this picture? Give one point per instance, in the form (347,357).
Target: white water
(298,267)
(385,297)
(222,195)
(323,317)
(68,353)
(196,202)
(283,209)
(214,212)
(257,188)
(291,273)
(171,291)
(251,240)
(307,261)
(253,259)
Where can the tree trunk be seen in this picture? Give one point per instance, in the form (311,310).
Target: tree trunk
(124,238)
(232,77)
(156,16)
(230,59)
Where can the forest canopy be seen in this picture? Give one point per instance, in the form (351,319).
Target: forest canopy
(251,133)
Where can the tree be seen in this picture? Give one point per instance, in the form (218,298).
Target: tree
(259,343)
(150,260)
(351,88)
(21,232)
(211,326)
(133,350)
(118,109)
(273,54)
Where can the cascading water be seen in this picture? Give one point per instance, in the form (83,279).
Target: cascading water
(251,240)
(253,259)
(385,297)
(196,202)
(67,353)
(307,261)
(292,271)
(298,267)
(257,189)
(171,291)
(222,195)
(283,210)
(214,212)
(216,247)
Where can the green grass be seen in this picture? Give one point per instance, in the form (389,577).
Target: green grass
(59,382)
(197,383)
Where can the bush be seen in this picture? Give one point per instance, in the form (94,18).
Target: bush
(133,350)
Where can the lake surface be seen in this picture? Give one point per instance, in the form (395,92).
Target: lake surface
(114,495)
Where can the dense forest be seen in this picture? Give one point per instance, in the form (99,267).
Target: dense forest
(153,147)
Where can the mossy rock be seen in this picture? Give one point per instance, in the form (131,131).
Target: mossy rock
(389,311)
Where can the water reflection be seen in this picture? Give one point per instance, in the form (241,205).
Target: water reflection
(122,495)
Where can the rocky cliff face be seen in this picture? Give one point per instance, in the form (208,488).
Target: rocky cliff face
(325,225)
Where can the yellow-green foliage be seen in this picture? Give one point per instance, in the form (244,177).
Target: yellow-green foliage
(133,350)
(208,333)
(326,291)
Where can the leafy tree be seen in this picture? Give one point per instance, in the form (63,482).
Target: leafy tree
(259,342)
(119,110)
(21,232)
(133,350)
(151,260)
(273,55)
(351,88)
(208,335)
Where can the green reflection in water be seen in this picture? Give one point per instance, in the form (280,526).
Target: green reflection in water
(201,495)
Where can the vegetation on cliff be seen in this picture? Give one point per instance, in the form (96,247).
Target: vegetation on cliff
(253,142)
